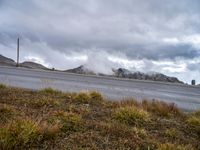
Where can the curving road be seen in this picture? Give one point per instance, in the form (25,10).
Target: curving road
(185,96)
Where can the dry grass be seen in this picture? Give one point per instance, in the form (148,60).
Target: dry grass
(50,119)
(174,147)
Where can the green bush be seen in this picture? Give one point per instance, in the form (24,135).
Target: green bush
(131,115)
(18,134)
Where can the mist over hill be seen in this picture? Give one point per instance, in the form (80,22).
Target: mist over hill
(120,72)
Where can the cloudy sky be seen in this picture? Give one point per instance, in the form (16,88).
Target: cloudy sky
(140,35)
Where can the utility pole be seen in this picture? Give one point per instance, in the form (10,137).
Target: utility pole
(18,52)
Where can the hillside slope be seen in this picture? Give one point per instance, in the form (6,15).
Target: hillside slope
(49,119)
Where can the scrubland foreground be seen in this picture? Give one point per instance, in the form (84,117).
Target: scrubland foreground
(50,119)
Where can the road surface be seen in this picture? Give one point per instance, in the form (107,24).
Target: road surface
(185,96)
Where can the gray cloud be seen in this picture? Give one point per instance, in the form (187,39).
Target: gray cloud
(135,29)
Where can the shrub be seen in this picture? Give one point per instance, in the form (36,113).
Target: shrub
(17,134)
(131,115)
(174,147)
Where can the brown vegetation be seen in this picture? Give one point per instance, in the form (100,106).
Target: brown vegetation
(50,119)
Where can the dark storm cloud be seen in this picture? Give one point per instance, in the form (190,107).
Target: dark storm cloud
(135,28)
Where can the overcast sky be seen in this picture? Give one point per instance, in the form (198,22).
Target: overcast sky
(140,35)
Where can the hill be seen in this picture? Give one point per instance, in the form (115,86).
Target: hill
(4,61)
(32,65)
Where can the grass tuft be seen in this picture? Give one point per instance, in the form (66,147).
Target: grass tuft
(92,97)
(50,91)
(82,97)
(70,122)
(157,107)
(194,121)
(17,134)
(6,113)
(2,86)
(43,101)
(49,131)
(131,116)
(171,133)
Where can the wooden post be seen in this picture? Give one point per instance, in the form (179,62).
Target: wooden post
(18,52)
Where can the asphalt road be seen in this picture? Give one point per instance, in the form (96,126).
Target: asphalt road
(185,96)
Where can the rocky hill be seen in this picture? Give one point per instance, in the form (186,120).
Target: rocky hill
(81,70)
(124,73)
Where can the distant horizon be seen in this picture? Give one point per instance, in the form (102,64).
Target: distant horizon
(139,35)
